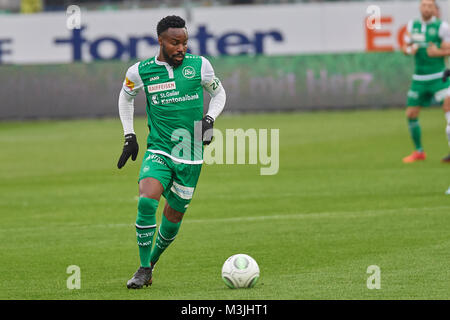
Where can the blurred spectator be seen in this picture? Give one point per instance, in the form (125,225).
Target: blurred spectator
(10,5)
(30,6)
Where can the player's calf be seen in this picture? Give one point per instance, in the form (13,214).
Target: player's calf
(447,129)
(168,230)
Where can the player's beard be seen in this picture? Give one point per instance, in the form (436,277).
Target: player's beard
(170,59)
(427,16)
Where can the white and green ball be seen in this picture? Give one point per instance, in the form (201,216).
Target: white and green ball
(240,271)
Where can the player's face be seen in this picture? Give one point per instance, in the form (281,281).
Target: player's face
(427,9)
(173,44)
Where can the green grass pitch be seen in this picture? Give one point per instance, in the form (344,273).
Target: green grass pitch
(341,201)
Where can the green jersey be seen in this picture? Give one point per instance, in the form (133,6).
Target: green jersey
(421,34)
(174,98)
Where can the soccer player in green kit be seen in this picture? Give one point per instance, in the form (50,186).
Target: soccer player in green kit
(173,82)
(423,38)
(434,51)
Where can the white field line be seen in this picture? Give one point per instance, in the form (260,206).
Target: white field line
(316,215)
(292,216)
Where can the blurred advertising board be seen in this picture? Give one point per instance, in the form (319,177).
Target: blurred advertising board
(272,30)
(253,84)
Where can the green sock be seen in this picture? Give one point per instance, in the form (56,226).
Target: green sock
(166,234)
(416,133)
(145,240)
(145,228)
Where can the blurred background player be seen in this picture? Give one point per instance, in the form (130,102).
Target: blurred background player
(423,38)
(174,81)
(434,51)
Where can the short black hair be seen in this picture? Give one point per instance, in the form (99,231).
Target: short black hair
(170,22)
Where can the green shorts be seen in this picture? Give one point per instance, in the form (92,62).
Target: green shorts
(423,93)
(178,179)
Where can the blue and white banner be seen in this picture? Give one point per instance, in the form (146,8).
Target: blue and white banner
(79,36)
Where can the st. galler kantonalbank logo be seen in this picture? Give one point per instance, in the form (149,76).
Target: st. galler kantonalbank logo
(188,72)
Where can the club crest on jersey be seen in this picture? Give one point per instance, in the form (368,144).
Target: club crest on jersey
(188,72)
(155,99)
(161,87)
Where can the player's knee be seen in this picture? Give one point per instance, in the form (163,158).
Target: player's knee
(175,217)
(150,194)
(172,215)
(446,106)
(150,188)
(412,113)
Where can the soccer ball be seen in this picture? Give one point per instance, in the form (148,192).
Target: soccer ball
(240,271)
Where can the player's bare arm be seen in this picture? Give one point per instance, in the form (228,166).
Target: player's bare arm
(434,51)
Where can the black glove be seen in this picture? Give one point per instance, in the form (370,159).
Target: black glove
(207,129)
(446,75)
(130,148)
